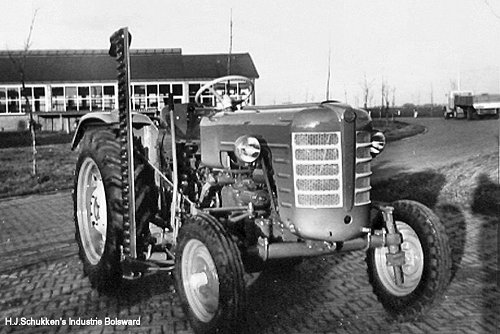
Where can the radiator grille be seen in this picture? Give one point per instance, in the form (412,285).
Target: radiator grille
(317,185)
(363,168)
(317,169)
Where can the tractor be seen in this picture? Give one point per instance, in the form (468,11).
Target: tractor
(212,193)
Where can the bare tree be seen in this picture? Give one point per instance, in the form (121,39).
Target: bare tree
(366,87)
(383,90)
(385,95)
(19,62)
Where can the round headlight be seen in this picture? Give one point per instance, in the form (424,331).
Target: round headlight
(247,149)
(378,143)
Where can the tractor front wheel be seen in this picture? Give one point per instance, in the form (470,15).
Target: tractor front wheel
(427,265)
(209,276)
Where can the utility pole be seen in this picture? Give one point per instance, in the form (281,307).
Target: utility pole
(329,70)
(230,43)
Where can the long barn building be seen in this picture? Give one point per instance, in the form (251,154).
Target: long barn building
(63,85)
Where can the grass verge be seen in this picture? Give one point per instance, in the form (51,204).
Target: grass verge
(56,164)
(23,139)
(395,130)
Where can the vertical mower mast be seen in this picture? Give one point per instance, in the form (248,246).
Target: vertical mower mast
(119,49)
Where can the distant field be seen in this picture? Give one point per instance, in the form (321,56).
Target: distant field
(56,161)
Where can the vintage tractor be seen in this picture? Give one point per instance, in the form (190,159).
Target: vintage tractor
(212,193)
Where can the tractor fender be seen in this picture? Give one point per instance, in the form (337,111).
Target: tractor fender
(105,118)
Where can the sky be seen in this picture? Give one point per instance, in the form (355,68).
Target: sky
(419,48)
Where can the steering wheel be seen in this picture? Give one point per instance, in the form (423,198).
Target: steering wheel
(225,100)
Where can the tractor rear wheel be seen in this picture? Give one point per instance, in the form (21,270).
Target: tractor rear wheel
(427,268)
(209,276)
(98,206)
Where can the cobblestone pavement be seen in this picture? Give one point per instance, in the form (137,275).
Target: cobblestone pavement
(41,279)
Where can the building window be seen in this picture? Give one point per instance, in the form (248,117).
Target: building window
(58,103)
(70,93)
(206,98)
(109,97)
(27,94)
(177,91)
(236,90)
(164,90)
(39,99)
(84,98)
(96,95)
(152,96)
(193,88)
(139,97)
(13,99)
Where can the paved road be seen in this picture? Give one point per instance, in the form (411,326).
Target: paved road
(445,142)
(40,278)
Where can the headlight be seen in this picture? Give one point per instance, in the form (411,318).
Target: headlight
(378,143)
(247,149)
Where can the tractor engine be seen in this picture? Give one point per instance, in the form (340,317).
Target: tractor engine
(245,191)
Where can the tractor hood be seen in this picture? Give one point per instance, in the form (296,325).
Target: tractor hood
(272,125)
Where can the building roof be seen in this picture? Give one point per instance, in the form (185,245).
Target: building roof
(146,64)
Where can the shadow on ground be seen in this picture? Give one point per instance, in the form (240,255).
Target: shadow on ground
(485,202)
(425,188)
(486,197)
(456,228)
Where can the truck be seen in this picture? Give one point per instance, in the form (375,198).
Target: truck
(464,104)
(214,193)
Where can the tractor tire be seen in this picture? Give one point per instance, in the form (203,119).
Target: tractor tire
(209,276)
(427,270)
(98,206)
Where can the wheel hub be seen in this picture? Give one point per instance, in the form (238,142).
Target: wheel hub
(412,268)
(200,280)
(91,210)
(96,206)
(412,258)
